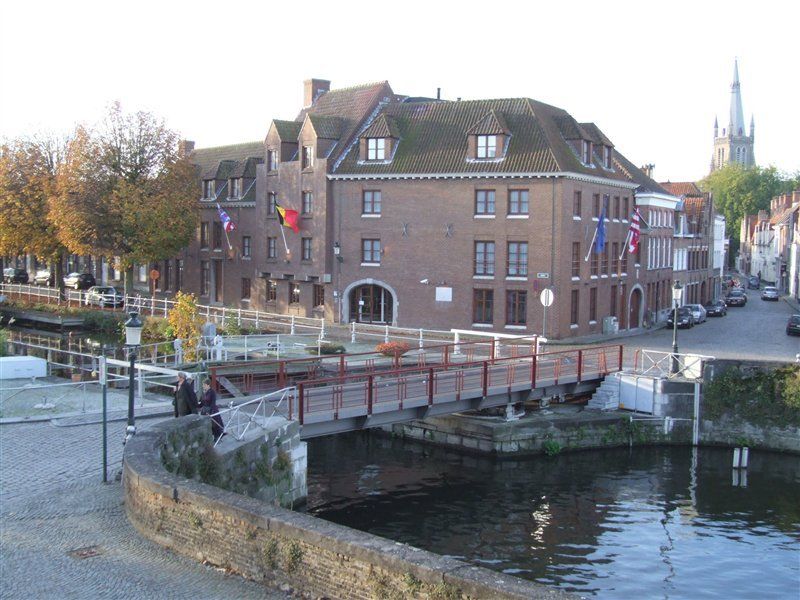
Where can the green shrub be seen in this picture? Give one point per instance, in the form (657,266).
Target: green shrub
(551,447)
(157,329)
(763,397)
(104,322)
(326,348)
(3,342)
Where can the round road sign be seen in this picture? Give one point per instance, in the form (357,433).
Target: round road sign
(546,297)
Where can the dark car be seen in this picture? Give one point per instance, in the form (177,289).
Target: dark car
(793,326)
(103,295)
(716,308)
(12,275)
(736,297)
(685,318)
(79,281)
(753,283)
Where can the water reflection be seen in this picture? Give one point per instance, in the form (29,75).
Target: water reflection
(658,521)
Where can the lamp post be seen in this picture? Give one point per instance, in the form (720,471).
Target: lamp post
(677,291)
(133,337)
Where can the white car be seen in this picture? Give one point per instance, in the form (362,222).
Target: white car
(103,295)
(770,293)
(698,312)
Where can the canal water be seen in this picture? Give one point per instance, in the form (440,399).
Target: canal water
(662,522)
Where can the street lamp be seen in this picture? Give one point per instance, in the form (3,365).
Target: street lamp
(133,337)
(677,291)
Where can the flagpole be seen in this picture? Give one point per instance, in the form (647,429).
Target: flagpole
(591,244)
(225,229)
(283,235)
(625,244)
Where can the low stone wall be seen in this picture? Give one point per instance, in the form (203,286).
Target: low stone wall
(729,431)
(282,547)
(560,429)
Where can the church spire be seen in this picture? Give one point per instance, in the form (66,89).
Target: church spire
(736,125)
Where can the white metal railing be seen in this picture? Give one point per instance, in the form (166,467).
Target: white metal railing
(668,364)
(258,412)
(290,324)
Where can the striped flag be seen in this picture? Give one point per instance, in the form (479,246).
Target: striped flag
(633,235)
(227,223)
(287,218)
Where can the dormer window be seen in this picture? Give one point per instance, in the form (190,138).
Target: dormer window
(235,187)
(308,157)
(376,149)
(272,160)
(208,188)
(487,146)
(607,157)
(587,152)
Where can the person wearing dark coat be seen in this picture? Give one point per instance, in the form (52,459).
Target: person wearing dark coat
(208,406)
(184,397)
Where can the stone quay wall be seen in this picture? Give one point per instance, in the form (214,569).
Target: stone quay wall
(543,434)
(282,548)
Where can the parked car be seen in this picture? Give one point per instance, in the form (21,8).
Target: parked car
(753,283)
(736,297)
(44,277)
(685,318)
(103,295)
(12,275)
(716,308)
(698,312)
(770,293)
(793,326)
(79,281)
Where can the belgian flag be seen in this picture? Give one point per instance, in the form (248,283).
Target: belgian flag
(287,217)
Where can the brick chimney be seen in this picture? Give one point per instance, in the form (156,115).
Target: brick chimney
(185,148)
(313,89)
(649,170)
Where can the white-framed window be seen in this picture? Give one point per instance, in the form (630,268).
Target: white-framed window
(272,160)
(371,251)
(306,249)
(376,148)
(518,202)
(307,203)
(487,146)
(371,202)
(607,156)
(208,188)
(484,202)
(308,157)
(246,240)
(235,187)
(587,152)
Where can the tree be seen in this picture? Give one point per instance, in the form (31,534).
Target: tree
(125,192)
(28,172)
(186,324)
(742,191)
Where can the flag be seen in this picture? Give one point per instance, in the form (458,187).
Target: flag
(287,218)
(226,220)
(633,238)
(600,234)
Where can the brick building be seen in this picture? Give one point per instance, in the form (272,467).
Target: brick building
(693,254)
(427,213)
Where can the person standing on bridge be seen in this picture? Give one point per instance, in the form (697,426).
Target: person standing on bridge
(185,398)
(208,406)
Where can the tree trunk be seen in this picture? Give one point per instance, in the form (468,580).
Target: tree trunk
(57,272)
(129,280)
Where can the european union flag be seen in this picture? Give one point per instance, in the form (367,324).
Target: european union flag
(600,236)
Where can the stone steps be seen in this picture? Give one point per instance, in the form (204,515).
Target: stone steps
(606,397)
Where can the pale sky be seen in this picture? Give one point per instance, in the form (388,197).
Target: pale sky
(651,75)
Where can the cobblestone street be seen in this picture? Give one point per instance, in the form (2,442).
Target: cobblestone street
(53,501)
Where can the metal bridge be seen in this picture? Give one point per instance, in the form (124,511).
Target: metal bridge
(372,394)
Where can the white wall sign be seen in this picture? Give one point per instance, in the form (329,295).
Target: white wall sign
(444,294)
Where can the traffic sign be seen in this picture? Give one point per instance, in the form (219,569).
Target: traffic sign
(546,297)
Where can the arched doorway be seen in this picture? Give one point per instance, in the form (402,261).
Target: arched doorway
(635,308)
(371,303)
